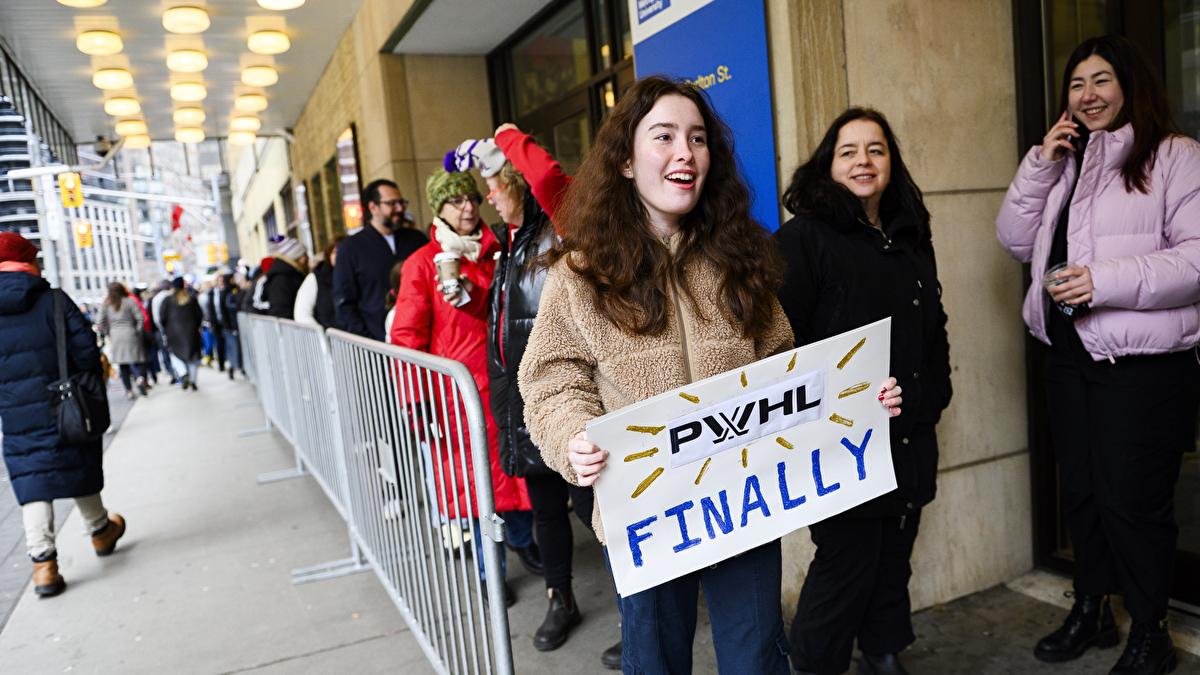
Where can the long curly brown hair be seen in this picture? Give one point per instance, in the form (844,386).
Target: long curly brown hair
(609,242)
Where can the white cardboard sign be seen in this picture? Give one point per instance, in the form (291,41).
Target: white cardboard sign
(702,473)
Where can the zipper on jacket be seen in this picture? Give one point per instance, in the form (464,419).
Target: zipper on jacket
(683,336)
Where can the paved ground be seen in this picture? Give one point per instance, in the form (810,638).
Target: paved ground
(201,582)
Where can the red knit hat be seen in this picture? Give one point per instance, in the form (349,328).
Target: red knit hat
(15,248)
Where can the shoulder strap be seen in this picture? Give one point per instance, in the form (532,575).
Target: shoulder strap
(60,334)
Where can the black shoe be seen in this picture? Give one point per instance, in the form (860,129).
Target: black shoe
(531,559)
(887,664)
(561,616)
(1149,651)
(611,657)
(231,373)
(510,596)
(1090,624)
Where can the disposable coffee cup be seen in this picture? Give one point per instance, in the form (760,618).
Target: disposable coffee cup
(449,267)
(1049,281)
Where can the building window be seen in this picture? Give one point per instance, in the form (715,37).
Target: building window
(559,76)
(333,198)
(269,225)
(320,229)
(348,180)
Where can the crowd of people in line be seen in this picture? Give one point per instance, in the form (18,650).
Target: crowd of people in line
(645,271)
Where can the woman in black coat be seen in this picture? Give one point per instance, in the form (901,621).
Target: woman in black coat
(40,468)
(859,249)
(181,318)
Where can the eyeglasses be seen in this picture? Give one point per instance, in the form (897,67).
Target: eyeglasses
(492,195)
(401,203)
(460,201)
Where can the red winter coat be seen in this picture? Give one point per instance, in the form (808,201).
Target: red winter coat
(426,322)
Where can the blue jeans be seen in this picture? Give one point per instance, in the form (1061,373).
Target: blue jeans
(658,625)
(518,530)
(233,350)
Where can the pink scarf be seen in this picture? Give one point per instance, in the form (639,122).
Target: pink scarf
(15,266)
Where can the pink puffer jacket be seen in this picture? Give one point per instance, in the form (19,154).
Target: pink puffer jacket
(1143,249)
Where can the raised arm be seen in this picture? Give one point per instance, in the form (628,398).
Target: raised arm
(545,176)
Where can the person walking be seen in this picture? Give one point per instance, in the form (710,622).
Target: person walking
(231,304)
(452,323)
(41,468)
(858,250)
(121,322)
(181,322)
(162,294)
(285,277)
(659,218)
(1107,213)
(360,279)
(216,303)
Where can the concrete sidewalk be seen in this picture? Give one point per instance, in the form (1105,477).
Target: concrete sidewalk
(201,582)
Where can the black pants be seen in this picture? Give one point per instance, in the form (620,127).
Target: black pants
(130,371)
(856,588)
(552,523)
(1119,432)
(219,345)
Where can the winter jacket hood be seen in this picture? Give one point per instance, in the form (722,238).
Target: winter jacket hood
(19,291)
(1143,250)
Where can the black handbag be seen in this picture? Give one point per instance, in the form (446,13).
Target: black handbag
(80,400)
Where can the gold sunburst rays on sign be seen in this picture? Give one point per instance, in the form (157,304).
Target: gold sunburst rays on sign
(792,363)
(784,442)
(854,389)
(641,455)
(703,469)
(745,457)
(745,382)
(637,492)
(640,429)
(692,398)
(850,354)
(838,419)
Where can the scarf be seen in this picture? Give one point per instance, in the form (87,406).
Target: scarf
(15,266)
(468,247)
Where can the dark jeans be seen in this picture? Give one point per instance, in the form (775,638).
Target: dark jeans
(130,371)
(552,522)
(518,531)
(1119,432)
(742,594)
(856,588)
(165,355)
(220,346)
(233,350)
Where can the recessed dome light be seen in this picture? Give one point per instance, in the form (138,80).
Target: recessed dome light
(250,103)
(189,134)
(188,92)
(260,76)
(112,78)
(269,42)
(186,20)
(245,123)
(277,5)
(137,141)
(122,106)
(241,137)
(189,116)
(131,128)
(187,61)
(99,43)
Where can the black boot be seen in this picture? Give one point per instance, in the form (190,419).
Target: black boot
(561,616)
(1148,652)
(611,657)
(531,559)
(886,664)
(1090,624)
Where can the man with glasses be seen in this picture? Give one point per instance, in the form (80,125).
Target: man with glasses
(364,261)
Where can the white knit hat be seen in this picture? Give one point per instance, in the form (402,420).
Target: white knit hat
(290,248)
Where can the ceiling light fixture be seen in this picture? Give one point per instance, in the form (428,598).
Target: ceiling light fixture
(189,116)
(245,123)
(187,61)
(137,142)
(89,4)
(241,137)
(260,76)
(99,43)
(122,106)
(250,103)
(269,42)
(188,92)
(132,128)
(112,78)
(277,5)
(186,20)
(189,134)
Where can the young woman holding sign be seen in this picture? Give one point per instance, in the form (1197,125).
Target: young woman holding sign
(1107,211)
(663,279)
(859,249)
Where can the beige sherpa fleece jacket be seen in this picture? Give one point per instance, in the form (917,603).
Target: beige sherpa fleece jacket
(578,365)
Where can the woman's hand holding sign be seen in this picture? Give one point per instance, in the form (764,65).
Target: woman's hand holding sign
(889,396)
(586,458)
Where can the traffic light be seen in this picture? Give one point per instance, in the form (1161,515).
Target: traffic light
(72,189)
(83,234)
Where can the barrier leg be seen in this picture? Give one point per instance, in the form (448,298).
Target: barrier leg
(297,471)
(355,564)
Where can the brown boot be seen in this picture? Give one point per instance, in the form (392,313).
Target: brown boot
(105,539)
(47,582)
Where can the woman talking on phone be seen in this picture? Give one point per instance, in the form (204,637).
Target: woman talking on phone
(1107,211)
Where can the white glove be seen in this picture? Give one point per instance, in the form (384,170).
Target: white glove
(479,154)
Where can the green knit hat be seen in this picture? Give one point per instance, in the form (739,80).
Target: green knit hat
(441,186)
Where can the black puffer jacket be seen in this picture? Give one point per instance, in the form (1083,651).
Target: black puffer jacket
(283,283)
(841,274)
(516,293)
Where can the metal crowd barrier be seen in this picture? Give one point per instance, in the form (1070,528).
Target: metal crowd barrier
(383,431)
